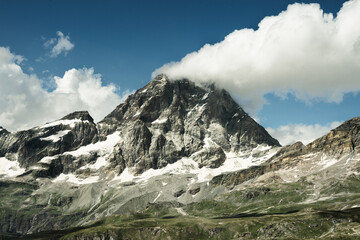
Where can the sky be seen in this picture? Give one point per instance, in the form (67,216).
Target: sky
(294,66)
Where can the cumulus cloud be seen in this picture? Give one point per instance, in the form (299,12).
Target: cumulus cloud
(302,51)
(59,45)
(292,133)
(24,103)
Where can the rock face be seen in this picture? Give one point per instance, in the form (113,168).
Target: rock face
(67,134)
(167,120)
(3,131)
(343,139)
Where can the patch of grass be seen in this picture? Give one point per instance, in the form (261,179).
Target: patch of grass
(300,225)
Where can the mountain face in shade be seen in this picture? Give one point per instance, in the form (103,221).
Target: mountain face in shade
(3,131)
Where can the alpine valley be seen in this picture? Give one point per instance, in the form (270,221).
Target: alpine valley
(177,161)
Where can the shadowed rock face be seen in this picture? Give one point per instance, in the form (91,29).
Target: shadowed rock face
(30,146)
(167,120)
(3,131)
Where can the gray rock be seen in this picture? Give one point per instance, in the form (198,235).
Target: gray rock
(341,140)
(3,131)
(32,145)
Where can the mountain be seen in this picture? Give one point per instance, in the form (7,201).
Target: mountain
(166,121)
(176,160)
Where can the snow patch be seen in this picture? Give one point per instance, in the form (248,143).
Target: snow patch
(160,121)
(10,168)
(234,162)
(181,211)
(157,197)
(71,123)
(100,162)
(47,160)
(125,176)
(137,113)
(205,96)
(73,179)
(326,162)
(309,156)
(208,142)
(37,168)
(56,137)
(197,109)
(103,147)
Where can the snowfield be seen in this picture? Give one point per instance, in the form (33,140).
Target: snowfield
(10,168)
(56,137)
(234,162)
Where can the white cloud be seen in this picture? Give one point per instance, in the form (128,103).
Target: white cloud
(302,51)
(24,103)
(292,133)
(59,45)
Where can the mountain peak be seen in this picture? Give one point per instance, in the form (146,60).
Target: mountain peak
(167,120)
(3,131)
(81,115)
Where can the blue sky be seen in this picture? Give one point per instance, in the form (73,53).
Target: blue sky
(125,41)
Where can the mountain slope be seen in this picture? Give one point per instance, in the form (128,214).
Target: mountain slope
(340,147)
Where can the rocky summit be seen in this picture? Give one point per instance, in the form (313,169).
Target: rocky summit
(176,160)
(166,121)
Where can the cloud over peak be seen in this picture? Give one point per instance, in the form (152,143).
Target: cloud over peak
(302,51)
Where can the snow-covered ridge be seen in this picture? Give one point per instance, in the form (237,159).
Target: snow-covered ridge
(70,123)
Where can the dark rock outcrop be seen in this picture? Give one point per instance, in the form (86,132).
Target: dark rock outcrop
(3,132)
